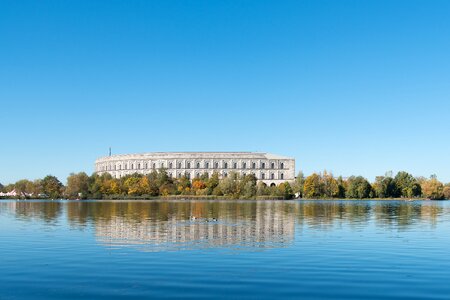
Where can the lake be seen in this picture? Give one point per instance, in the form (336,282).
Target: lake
(224,249)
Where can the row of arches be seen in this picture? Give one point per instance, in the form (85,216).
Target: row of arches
(224,174)
(189,165)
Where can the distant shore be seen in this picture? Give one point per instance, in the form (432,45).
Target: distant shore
(161,185)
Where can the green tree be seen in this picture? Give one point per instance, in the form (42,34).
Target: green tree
(342,187)
(184,185)
(212,183)
(228,186)
(98,185)
(285,190)
(52,187)
(385,187)
(358,188)
(247,186)
(407,185)
(77,186)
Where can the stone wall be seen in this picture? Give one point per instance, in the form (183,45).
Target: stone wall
(269,168)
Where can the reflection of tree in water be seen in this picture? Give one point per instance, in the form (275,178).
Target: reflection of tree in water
(399,214)
(48,212)
(404,214)
(325,214)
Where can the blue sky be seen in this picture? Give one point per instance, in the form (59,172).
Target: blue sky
(355,87)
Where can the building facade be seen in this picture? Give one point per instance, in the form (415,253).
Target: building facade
(269,168)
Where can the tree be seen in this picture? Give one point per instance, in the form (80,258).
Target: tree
(96,184)
(407,185)
(262,189)
(183,185)
(385,187)
(358,188)
(198,184)
(24,187)
(2,187)
(247,186)
(299,183)
(52,187)
(285,190)
(342,187)
(446,191)
(212,183)
(313,186)
(329,185)
(132,185)
(228,186)
(433,188)
(77,186)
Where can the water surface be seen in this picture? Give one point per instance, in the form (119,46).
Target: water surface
(224,249)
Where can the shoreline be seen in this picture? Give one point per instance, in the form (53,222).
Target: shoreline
(222,198)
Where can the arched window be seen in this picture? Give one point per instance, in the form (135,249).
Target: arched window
(132,166)
(188,175)
(234,165)
(120,167)
(198,165)
(125,167)
(145,166)
(225,174)
(281,176)
(206,165)
(263,176)
(154,166)
(188,165)
(282,166)
(244,165)
(216,165)
(179,165)
(263,165)
(272,165)
(253,165)
(170,165)
(162,165)
(139,166)
(272,176)
(225,165)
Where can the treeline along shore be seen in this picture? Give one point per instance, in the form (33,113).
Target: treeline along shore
(158,184)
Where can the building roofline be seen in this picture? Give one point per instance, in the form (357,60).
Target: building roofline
(150,154)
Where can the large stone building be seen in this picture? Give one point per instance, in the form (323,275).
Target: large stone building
(269,168)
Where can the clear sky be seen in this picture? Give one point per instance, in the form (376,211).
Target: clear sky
(354,87)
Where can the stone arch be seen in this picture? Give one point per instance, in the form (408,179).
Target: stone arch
(273,184)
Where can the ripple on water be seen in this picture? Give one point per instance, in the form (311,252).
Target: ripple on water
(317,250)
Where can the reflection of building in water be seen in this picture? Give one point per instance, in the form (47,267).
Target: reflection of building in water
(7,207)
(269,227)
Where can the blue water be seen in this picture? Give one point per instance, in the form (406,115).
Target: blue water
(233,249)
